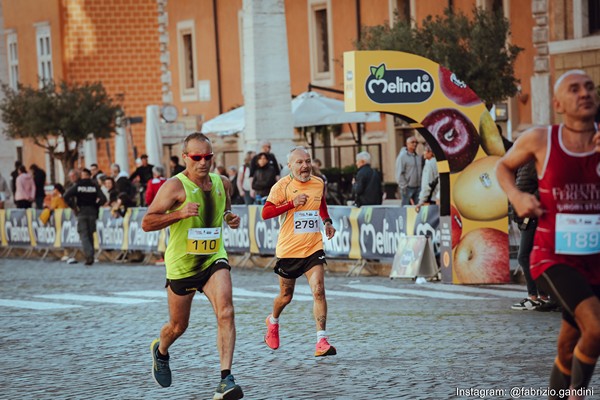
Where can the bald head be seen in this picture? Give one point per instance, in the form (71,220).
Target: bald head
(561,78)
(299,163)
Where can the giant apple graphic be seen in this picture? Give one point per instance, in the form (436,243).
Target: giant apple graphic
(455,134)
(455,89)
(477,194)
(482,257)
(491,139)
(456,225)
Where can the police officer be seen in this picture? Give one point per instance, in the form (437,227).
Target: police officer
(85,197)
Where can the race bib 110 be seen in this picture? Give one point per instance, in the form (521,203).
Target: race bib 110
(203,241)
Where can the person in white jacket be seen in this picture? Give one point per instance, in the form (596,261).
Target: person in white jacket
(409,166)
(430,185)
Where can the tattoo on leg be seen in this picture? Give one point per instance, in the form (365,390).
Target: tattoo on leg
(321,320)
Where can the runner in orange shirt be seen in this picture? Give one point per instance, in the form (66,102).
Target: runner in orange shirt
(299,201)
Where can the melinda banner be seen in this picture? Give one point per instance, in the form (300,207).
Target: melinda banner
(467,145)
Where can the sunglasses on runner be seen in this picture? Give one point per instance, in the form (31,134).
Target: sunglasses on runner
(198,157)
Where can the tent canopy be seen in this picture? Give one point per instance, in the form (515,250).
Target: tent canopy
(308,109)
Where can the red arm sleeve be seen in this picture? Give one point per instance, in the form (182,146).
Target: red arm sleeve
(270,210)
(323,209)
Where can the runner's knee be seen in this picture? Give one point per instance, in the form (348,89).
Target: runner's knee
(225,313)
(319,291)
(178,328)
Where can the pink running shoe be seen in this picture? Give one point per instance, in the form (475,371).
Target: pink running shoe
(324,349)
(272,336)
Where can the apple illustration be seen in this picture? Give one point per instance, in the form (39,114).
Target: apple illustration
(482,257)
(455,134)
(456,225)
(477,194)
(455,89)
(491,139)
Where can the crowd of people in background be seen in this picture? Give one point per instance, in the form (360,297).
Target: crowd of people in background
(252,181)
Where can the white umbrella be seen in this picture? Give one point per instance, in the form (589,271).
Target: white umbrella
(227,123)
(312,108)
(308,109)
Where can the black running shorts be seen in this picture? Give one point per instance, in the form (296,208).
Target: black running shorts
(293,268)
(567,286)
(194,283)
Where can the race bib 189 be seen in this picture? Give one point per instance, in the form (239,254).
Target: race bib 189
(306,221)
(203,241)
(577,234)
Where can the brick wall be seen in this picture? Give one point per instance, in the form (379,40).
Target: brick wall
(115,42)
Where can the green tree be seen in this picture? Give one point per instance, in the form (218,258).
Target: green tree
(58,118)
(476,50)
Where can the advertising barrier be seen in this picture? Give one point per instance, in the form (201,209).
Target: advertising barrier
(370,232)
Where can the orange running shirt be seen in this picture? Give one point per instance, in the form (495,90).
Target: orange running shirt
(300,228)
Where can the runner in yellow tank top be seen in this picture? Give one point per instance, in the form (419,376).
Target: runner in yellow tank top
(298,200)
(194,204)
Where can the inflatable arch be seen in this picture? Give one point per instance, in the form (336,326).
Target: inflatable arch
(466,143)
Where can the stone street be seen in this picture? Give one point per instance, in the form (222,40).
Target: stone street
(75,332)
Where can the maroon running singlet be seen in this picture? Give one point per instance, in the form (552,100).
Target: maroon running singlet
(568,231)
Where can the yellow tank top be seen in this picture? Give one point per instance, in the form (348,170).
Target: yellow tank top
(197,242)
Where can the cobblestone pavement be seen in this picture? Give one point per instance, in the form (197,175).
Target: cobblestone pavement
(75,332)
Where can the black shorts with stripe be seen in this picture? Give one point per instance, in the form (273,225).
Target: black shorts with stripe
(293,268)
(569,287)
(196,282)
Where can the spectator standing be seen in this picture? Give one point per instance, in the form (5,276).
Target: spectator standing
(39,178)
(14,175)
(5,192)
(155,183)
(122,182)
(244,183)
(25,189)
(409,167)
(265,147)
(142,174)
(175,166)
(109,189)
(95,171)
(265,176)
(73,177)
(430,181)
(86,198)
(232,173)
(367,183)
(527,182)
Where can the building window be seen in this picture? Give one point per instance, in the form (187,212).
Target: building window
(320,42)
(44,53)
(13,60)
(187,60)
(400,10)
(594,16)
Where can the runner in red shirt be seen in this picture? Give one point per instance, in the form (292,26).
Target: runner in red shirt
(566,255)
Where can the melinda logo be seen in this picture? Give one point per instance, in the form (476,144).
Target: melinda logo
(399,85)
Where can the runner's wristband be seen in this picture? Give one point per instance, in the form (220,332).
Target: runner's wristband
(326,220)
(226,212)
